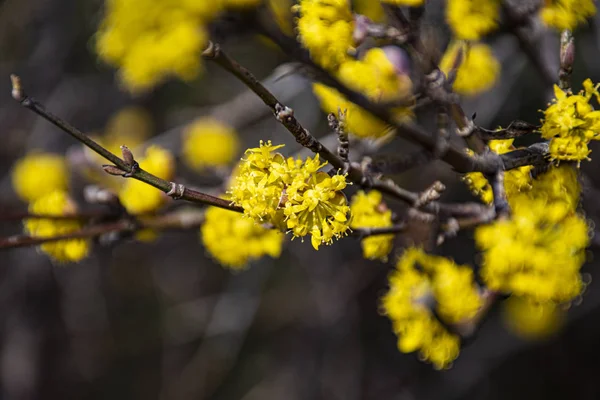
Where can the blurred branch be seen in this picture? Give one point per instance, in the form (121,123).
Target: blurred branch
(120,167)
(176,220)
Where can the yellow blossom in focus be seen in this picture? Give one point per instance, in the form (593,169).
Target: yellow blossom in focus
(570,122)
(234,240)
(374,76)
(566,14)
(38,174)
(471,19)
(478,70)
(515,180)
(538,252)
(291,193)
(139,197)
(531,320)
(418,283)
(325,28)
(209,142)
(369,211)
(57,203)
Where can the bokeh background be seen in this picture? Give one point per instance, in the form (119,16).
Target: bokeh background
(161,320)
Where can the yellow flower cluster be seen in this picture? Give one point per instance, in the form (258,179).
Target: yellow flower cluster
(153,40)
(208,142)
(57,203)
(234,240)
(515,180)
(567,14)
(471,19)
(369,211)
(292,194)
(374,76)
(531,320)
(38,174)
(571,122)
(538,252)
(325,28)
(139,197)
(419,283)
(478,71)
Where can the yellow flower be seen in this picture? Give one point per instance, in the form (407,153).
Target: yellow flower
(471,19)
(209,143)
(234,239)
(376,77)
(57,203)
(478,70)
(38,174)
(153,40)
(515,180)
(325,28)
(570,122)
(139,197)
(531,320)
(291,193)
(567,14)
(538,252)
(369,211)
(420,282)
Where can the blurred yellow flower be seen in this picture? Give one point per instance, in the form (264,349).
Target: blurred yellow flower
(208,142)
(369,211)
(234,239)
(471,19)
(478,70)
(530,320)
(566,14)
(57,203)
(38,174)
(139,197)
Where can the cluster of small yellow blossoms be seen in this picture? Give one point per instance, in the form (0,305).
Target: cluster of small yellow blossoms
(571,122)
(515,180)
(152,40)
(567,14)
(291,193)
(57,203)
(369,211)
(38,174)
(208,142)
(538,252)
(531,320)
(420,282)
(472,19)
(477,72)
(138,197)
(223,232)
(325,28)
(374,76)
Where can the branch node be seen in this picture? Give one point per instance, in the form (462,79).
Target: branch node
(17,89)
(467,130)
(177,190)
(283,113)
(113,170)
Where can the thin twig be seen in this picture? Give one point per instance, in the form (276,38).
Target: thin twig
(567,57)
(128,170)
(366,232)
(177,220)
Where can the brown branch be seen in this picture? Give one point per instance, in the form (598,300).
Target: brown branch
(174,190)
(366,232)
(567,56)
(177,220)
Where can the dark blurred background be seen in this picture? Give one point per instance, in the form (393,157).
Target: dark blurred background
(163,321)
